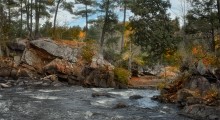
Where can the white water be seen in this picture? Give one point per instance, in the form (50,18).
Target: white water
(123,97)
(77,103)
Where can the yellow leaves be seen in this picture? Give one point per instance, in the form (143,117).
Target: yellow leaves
(82,35)
(138,60)
(200,54)
(126,55)
(50,1)
(198,51)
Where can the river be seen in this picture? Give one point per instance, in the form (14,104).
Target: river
(77,103)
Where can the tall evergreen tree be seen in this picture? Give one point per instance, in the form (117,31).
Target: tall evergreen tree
(151,26)
(203,18)
(86,11)
(110,19)
(68,6)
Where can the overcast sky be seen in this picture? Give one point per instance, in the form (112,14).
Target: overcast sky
(64,18)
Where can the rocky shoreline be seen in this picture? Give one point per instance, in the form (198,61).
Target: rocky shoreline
(195,95)
(44,63)
(47,62)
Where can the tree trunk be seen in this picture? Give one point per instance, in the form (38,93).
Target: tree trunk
(21,21)
(130,58)
(9,19)
(218,6)
(28,19)
(27,13)
(213,39)
(86,20)
(31,20)
(123,31)
(55,18)
(104,26)
(9,13)
(37,19)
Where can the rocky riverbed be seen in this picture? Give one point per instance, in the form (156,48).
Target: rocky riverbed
(78,103)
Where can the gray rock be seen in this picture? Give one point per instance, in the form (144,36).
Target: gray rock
(17,60)
(202,112)
(182,96)
(3,85)
(18,45)
(30,58)
(103,83)
(201,68)
(120,105)
(56,50)
(100,94)
(5,72)
(198,82)
(57,84)
(1,52)
(135,97)
(46,83)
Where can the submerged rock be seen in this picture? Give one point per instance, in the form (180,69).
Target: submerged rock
(3,85)
(100,94)
(135,97)
(120,105)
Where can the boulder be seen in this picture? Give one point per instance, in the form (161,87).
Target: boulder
(31,58)
(184,93)
(217,74)
(201,68)
(1,51)
(100,94)
(50,77)
(24,72)
(4,85)
(98,77)
(201,112)
(57,50)
(120,105)
(198,82)
(74,80)
(17,60)
(135,97)
(18,45)
(194,100)
(5,72)
(98,61)
(60,66)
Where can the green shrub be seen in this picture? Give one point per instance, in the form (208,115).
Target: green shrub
(88,51)
(161,85)
(122,75)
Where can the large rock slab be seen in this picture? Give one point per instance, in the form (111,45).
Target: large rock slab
(57,50)
(31,58)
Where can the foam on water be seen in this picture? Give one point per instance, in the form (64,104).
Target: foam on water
(43,97)
(104,102)
(145,102)
(101,89)
(48,91)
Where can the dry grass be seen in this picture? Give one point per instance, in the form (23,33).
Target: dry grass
(70,43)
